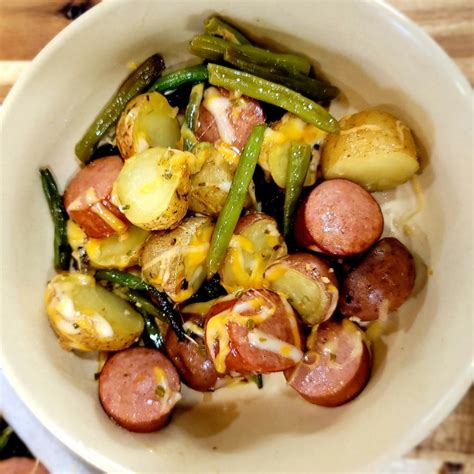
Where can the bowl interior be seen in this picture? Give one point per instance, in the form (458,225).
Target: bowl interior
(377,58)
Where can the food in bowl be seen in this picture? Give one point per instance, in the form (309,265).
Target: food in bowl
(204,241)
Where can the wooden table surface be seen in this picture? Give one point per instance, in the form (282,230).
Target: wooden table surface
(27,25)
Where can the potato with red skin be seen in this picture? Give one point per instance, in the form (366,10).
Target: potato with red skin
(89,192)
(256,243)
(252,332)
(338,218)
(307,282)
(138,388)
(336,367)
(241,114)
(191,359)
(380,283)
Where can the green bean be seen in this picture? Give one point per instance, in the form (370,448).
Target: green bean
(213,49)
(5,437)
(144,305)
(164,302)
(191,116)
(135,83)
(175,79)
(209,290)
(217,27)
(298,165)
(272,93)
(149,312)
(62,249)
(234,203)
(208,47)
(307,86)
(257,379)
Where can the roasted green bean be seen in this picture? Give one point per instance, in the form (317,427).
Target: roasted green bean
(149,312)
(298,165)
(213,49)
(191,117)
(137,82)
(175,79)
(218,27)
(164,302)
(307,86)
(234,203)
(273,93)
(62,249)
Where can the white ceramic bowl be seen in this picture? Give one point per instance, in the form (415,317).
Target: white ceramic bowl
(377,57)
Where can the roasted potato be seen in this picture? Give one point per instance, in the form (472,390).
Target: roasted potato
(87,317)
(381,282)
(174,261)
(373,149)
(276,147)
(211,184)
(117,251)
(153,188)
(256,243)
(307,282)
(147,122)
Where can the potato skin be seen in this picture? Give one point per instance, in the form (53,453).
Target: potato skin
(373,149)
(164,262)
(315,271)
(381,283)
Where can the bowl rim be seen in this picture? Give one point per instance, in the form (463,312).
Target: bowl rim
(443,407)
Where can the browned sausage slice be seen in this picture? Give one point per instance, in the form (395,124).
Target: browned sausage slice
(138,388)
(339,218)
(381,283)
(191,359)
(336,367)
(20,465)
(231,119)
(87,198)
(254,332)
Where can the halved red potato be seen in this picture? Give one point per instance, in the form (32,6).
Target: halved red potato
(227,116)
(381,282)
(307,282)
(338,218)
(336,367)
(191,359)
(138,388)
(252,332)
(148,121)
(256,243)
(88,199)
(174,261)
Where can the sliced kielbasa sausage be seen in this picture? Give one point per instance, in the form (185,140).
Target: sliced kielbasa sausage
(336,366)
(253,332)
(21,465)
(338,218)
(228,118)
(138,388)
(191,359)
(87,199)
(381,282)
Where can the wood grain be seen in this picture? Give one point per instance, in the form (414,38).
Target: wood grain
(27,25)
